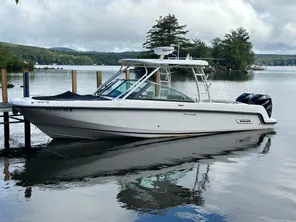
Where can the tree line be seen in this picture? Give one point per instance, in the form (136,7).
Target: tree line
(44,56)
(11,61)
(233,52)
(275,60)
(15,57)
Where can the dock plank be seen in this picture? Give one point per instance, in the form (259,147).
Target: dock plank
(5,107)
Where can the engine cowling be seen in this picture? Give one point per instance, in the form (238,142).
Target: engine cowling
(245,97)
(258,99)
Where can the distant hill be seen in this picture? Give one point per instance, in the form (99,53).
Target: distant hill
(275,60)
(62,49)
(68,56)
(10,60)
(65,56)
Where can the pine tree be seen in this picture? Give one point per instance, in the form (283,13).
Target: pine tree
(237,49)
(217,54)
(199,49)
(166,32)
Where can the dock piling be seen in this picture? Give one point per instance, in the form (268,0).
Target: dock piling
(5,114)
(26,88)
(157,81)
(26,122)
(4,86)
(99,78)
(74,81)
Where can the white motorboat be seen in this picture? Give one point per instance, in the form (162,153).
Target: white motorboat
(145,109)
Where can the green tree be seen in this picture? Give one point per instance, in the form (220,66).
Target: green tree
(166,32)
(10,61)
(199,49)
(4,54)
(217,48)
(217,54)
(237,49)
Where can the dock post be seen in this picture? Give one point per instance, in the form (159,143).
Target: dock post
(74,81)
(157,80)
(99,78)
(127,74)
(26,122)
(5,114)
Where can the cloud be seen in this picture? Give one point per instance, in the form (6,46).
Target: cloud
(117,25)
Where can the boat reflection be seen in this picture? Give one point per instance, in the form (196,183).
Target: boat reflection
(147,172)
(161,191)
(68,161)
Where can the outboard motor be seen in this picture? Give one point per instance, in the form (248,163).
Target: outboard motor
(263,100)
(258,99)
(245,97)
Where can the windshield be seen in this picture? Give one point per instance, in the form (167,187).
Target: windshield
(120,86)
(111,87)
(146,91)
(159,92)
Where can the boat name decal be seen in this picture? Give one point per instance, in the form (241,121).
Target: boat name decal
(243,121)
(40,102)
(189,114)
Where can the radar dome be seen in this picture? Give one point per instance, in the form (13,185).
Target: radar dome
(165,50)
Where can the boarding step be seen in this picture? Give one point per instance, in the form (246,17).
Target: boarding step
(203,76)
(200,74)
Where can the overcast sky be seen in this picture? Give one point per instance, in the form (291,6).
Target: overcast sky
(119,25)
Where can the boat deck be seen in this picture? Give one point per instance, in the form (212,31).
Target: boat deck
(5,107)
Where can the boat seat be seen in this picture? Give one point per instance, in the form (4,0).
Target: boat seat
(175,97)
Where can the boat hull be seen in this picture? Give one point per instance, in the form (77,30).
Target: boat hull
(104,123)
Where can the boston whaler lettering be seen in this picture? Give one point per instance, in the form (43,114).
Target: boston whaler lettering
(145,109)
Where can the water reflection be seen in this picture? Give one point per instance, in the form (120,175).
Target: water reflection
(64,161)
(16,79)
(147,172)
(158,192)
(232,76)
(6,170)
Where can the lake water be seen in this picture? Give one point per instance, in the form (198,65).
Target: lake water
(230,177)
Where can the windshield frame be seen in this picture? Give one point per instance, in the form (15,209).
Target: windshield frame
(144,86)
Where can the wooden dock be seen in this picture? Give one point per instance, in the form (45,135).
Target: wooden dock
(5,107)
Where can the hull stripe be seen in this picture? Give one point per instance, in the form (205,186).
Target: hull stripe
(152,109)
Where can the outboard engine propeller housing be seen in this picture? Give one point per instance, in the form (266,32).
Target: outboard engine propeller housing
(258,99)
